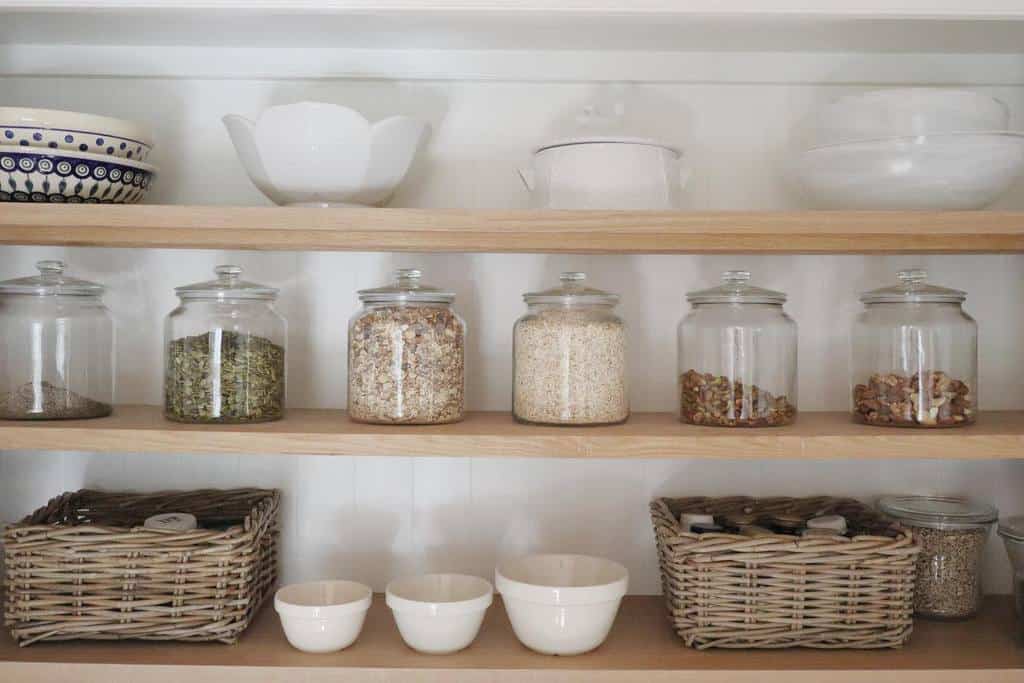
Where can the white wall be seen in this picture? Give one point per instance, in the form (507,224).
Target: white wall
(371,518)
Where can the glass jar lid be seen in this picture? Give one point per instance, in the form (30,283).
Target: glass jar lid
(913,289)
(938,512)
(572,290)
(736,289)
(407,288)
(51,281)
(228,285)
(1012,528)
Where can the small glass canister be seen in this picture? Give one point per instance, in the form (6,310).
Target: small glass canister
(1012,532)
(57,351)
(737,356)
(915,356)
(569,354)
(406,355)
(225,352)
(952,533)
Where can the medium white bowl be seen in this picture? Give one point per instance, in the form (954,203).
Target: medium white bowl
(897,112)
(319,154)
(955,171)
(439,613)
(75,132)
(561,604)
(323,616)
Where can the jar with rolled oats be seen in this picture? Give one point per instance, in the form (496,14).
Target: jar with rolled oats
(406,355)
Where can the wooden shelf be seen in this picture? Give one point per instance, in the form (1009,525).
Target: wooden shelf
(645,435)
(450,230)
(640,649)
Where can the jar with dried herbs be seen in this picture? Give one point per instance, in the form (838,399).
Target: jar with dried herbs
(225,352)
(570,357)
(737,356)
(56,347)
(406,355)
(952,533)
(915,356)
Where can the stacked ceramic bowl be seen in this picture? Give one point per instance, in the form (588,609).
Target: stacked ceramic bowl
(908,148)
(63,156)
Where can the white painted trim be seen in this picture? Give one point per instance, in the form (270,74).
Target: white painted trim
(509,65)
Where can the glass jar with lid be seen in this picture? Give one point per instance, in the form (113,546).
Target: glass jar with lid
(225,352)
(737,356)
(57,355)
(952,533)
(914,356)
(570,357)
(406,355)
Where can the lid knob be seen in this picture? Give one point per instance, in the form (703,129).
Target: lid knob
(228,273)
(735,277)
(408,274)
(572,277)
(50,268)
(912,276)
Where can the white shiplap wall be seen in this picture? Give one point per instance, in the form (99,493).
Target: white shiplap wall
(372,518)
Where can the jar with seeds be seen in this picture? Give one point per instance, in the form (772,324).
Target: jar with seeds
(406,355)
(952,533)
(56,347)
(915,356)
(737,356)
(224,356)
(570,357)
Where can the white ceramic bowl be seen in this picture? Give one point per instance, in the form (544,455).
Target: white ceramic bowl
(439,613)
(956,171)
(898,112)
(318,154)
(30,174)
(75,132)
(323,616)
(561,604)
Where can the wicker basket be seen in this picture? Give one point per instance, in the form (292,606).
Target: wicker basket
(737,591)
(84,567)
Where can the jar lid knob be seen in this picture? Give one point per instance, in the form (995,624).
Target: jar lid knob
(228,273)
(736,276)
(50,268)
(573,277)
(403,274)
(912,276)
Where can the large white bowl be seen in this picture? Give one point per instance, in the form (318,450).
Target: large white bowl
(439,613)
(897,112)
(561,604)
(956,171)
(74,132)
(323,616)
(30,174)
(318,154)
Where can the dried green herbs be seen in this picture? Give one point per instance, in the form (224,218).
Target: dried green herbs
(45,401)
(224,376)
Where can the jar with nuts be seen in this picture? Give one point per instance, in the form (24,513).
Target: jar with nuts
(406,355)
(737,356)
(915,356)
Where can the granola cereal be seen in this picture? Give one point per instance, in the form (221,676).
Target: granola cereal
(705,399)
(896,400)
(407,365)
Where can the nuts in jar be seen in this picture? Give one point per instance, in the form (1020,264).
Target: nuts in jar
(897,400)
(708,400)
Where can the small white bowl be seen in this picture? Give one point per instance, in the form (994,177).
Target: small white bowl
(439,613)
(561,604)
(323,616)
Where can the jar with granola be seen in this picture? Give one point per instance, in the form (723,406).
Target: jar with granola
(406,355)
(915,356)
(737,356)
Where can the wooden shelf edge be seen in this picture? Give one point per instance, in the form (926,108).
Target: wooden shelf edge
(142,429)
(498,231)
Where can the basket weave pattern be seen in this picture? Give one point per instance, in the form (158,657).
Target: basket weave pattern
(84,567)
(733,591)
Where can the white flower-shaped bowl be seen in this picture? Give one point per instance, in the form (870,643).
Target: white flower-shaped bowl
(319,154)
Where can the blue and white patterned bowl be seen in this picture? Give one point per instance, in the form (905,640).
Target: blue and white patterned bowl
(36,175)
(73,132)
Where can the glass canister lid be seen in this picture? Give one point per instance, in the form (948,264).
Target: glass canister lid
(572,290)
(736,289)
(938,512)
(913,289)
(1012,528)
(228,285)
(51,281)
(407,288)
